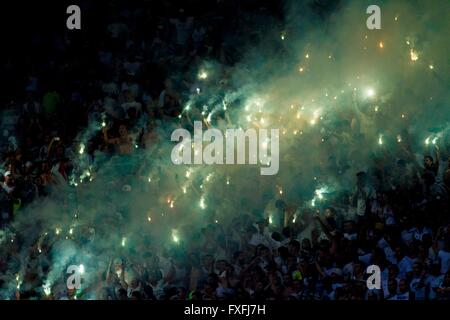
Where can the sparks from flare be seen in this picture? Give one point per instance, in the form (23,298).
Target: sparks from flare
(380,139)
(81,151)
(175,236)
(370,92)
(202,203)
(413,55)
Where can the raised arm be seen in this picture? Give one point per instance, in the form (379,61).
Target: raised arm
(437,156)
(50,146)
(106,139)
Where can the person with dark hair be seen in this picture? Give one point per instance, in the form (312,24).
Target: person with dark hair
(430,164)
(443,291)
(123,142)
(362,195)
(418,282)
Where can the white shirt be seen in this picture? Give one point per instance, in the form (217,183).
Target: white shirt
(367,258)
(418,234)
(419,292)
(400,296)
(361,201)
(382,243)
(132,104)
(390,255)
(7,188)
(351,236)
(348,270)
(432,255)
(444,256)
(258,238)
(408,235)
(405,266)
(433,282)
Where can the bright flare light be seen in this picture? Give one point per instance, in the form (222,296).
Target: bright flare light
(47,288)
(175,236)
(370,92)
(81,148)
(202,203)
(19,282)
(414,55)
(319,195)
(202,75)
(380,139)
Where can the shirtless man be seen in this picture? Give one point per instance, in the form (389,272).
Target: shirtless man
(124,143)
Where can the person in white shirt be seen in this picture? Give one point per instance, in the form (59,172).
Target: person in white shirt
(131,85)
(262,236)
(363,193)
(130,102)
(444,258)
(433,280)
(418,283)
(403,291)
(404,262)
(8,184)
(419,232)
(443,291)
(408,235)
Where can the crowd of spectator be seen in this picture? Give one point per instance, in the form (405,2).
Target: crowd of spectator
(397,216)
